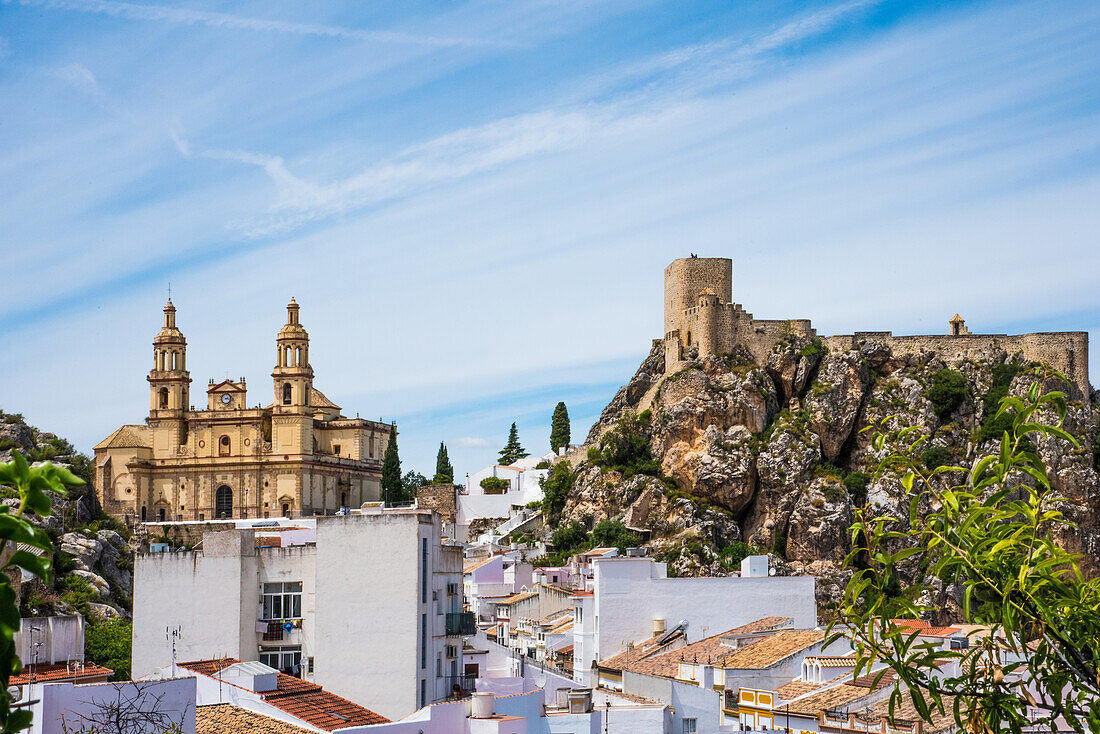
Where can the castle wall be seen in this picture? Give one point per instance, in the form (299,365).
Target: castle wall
(700,324)
(1067,352)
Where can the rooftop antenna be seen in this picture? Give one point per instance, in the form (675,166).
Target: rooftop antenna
(34,644)
(171,634)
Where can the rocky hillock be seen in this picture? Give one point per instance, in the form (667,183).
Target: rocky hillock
(93,556)
(773,456)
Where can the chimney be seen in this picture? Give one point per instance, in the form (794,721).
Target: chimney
(658,627)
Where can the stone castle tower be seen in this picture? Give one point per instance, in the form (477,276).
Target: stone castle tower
(298,455)
(702,320)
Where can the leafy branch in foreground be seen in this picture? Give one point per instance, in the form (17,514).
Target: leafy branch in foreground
(32,485)
(1034,653)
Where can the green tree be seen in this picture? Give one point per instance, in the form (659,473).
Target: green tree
(31,486)
(512,451)
(412,481)
(559,428)
(107,643)
(613,534)
(556,487)
(992,537)
(444,472)
(392,489)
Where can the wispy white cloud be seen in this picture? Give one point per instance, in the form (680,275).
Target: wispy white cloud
(82,78)
(471,151)
(471,442)
(188,16)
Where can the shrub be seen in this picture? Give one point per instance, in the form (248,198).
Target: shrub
(625,448)
(542,465)
(78,593)
(948,391)
(735,552)
(831,471)
(780,545)
(813,348)
(569,537)
(856,483)
(936,456)
(612,533)
(834,493)
(494,485)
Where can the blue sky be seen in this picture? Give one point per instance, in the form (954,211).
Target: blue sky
(474,201)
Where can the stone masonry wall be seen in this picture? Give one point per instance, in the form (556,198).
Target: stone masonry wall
(716,325)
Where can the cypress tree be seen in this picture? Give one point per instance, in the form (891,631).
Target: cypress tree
(559,428)
(444,472)
(392,488)
(512,451)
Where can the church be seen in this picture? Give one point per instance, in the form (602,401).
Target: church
(297,456)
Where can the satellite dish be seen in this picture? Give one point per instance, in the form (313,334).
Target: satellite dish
(14,693)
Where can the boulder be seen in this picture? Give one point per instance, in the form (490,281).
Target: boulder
(84,550)
(834,400)
(97,582)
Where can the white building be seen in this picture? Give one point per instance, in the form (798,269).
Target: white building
(524,486)
(628,594)
(370,609)
(62,708)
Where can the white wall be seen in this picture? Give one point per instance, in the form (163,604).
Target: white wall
(62,639)
(631,592)
(63,705)
(686,701)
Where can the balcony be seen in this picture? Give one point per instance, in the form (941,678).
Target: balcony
(461,623)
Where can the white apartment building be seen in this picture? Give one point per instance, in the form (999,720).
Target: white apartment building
(628,594)
(371,608)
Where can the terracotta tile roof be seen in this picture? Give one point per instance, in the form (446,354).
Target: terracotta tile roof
(828,698)
(225,718)
(476,565)
(796,688)
(940,631)
(833,661)
(582,593)
(629,658)
(60,672)
(127,437)
(868,680)
(911,623)
(302,699)
(522,596)
(563,650)
(562,628)
(770,650)
(905,711)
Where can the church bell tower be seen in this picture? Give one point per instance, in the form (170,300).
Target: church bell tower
(293,376)
(169,382)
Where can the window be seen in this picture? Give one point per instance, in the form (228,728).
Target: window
(423,570)
(223,502)
(143,513)
(164,397)
(286,393)
(343,499)
(688,726)
(286,659)
(423,693)
(336,449)
(423,641)
(160,514)
(282,601)
(223,446)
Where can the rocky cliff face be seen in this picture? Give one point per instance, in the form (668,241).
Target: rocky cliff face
(773,454)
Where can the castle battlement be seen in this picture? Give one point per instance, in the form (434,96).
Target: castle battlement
(701,319)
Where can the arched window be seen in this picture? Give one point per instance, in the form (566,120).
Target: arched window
(343,499)
(689,340)
(160,515)
(286,510)
(286,393)
(174,359)
(143,513)
(223,502)
(223,446)
(164,397)
(286,358)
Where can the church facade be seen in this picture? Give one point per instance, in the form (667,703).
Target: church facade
(297,456)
